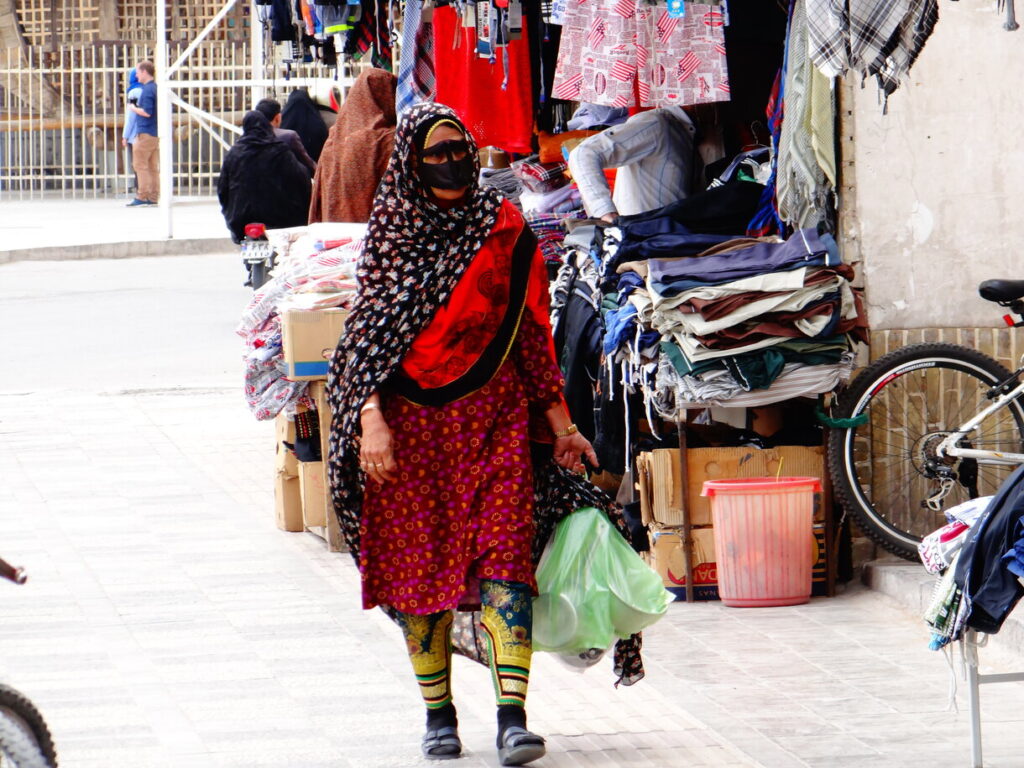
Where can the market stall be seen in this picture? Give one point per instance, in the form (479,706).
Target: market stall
(678,164)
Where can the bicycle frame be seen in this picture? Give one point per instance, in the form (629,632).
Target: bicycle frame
(948,447)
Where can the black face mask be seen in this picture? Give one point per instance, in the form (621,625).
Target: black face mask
(454,174)
(451,174)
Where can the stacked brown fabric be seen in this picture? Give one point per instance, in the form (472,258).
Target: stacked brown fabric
(357,151)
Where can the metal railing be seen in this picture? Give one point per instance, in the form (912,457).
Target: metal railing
(62,113)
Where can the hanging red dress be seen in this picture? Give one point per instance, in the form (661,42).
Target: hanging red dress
(472,85)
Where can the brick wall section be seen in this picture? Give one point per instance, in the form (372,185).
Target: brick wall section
(1004,344)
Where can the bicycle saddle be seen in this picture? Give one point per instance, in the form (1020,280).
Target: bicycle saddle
(1001,290)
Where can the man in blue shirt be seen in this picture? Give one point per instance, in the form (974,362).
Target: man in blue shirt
(146,149)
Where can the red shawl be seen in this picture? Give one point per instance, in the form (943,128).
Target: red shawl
(462,330)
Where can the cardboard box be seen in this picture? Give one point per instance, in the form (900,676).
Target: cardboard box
(309,340)
(660,481)
(667,490)
(670,564)
(287,502)
(284,431)
(287,494)
(313,482)
(331,530)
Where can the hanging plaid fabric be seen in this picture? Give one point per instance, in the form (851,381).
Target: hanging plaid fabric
(416,80)
(370,33)
(873,37)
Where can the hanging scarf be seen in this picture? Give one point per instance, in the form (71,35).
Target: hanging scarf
(414,254)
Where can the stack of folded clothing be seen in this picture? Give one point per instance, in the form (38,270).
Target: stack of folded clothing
(505,181)
(550,231)
(311,273)
(701,320)
(547,187)
(548,200)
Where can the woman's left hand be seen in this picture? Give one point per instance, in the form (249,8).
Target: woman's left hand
(572,449)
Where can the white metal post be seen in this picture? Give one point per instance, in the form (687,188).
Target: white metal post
(256,46)
(165,126)
(974,695)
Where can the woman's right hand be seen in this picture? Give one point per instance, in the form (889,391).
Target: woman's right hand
(376,453)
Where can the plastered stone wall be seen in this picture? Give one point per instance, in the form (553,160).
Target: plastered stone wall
(938,183)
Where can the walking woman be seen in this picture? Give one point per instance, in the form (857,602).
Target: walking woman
(445,374)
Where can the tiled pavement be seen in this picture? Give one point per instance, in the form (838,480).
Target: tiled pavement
(168,623)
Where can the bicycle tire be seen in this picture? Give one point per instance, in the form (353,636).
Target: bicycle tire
(17,705)
(18,747)
(911,396)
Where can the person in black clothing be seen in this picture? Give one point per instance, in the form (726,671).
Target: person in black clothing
(262,181)
(301,115)
(271,109)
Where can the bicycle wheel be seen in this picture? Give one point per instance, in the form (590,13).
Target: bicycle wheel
(18,747)
(19,709)
(885,469)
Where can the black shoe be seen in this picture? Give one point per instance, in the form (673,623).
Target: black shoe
(519,746)
(442,743)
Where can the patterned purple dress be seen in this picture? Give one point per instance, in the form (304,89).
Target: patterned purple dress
(462,506)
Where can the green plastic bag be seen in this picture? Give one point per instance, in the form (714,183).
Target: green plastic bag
(592,587)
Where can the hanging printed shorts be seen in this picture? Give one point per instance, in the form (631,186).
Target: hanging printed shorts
(614,50)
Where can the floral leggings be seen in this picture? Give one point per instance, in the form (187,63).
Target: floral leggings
(507,617)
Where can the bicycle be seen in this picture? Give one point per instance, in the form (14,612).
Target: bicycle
(25,740)
(924,428)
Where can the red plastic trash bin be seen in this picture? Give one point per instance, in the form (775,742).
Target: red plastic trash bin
(763,539)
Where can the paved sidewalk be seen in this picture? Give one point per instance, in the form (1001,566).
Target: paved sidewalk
(168,623)
(105,228)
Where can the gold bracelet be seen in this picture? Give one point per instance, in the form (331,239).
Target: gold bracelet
(570,430)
